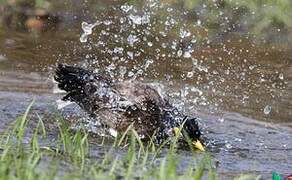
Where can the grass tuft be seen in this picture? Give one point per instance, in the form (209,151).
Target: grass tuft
(127,158)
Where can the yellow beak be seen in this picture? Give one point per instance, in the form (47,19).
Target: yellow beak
(198,145)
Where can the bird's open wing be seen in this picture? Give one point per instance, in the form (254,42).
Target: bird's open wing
(84,87)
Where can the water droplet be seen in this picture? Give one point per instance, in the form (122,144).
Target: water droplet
(199,22)
(228,146)
(113,132)
(131,74)
(118,50)
(107,22)
(179,53)
(267,109)
(132,39)
(130,54)
(126,8)
(193,89)
(238,139)
(281,76)
(145,19)
(252,67)
(169,9)
(122,20)
(187,54)
(284,145)
(221,120)
(87,30)
(190,74)
(184,33)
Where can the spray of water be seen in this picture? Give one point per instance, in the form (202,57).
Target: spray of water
(158,42)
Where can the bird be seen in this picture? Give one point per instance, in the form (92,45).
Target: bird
(121,104)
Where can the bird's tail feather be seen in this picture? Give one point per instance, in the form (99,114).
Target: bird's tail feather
(78,83)
(71,78)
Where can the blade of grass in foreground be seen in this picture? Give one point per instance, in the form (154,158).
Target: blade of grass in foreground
(139,161)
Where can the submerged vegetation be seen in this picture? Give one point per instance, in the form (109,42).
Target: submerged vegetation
(26,156)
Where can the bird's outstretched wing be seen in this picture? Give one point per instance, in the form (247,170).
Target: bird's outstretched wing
(82,86)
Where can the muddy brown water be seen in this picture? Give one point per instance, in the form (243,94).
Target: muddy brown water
(241,90)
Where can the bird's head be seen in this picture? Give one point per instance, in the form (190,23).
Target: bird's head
(190,130)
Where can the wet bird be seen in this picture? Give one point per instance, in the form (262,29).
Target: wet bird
(121,104)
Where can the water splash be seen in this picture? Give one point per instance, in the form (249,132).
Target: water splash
(126,8)
(87,30)
(139,20)
(217,73)
(267,110)
(61,104)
